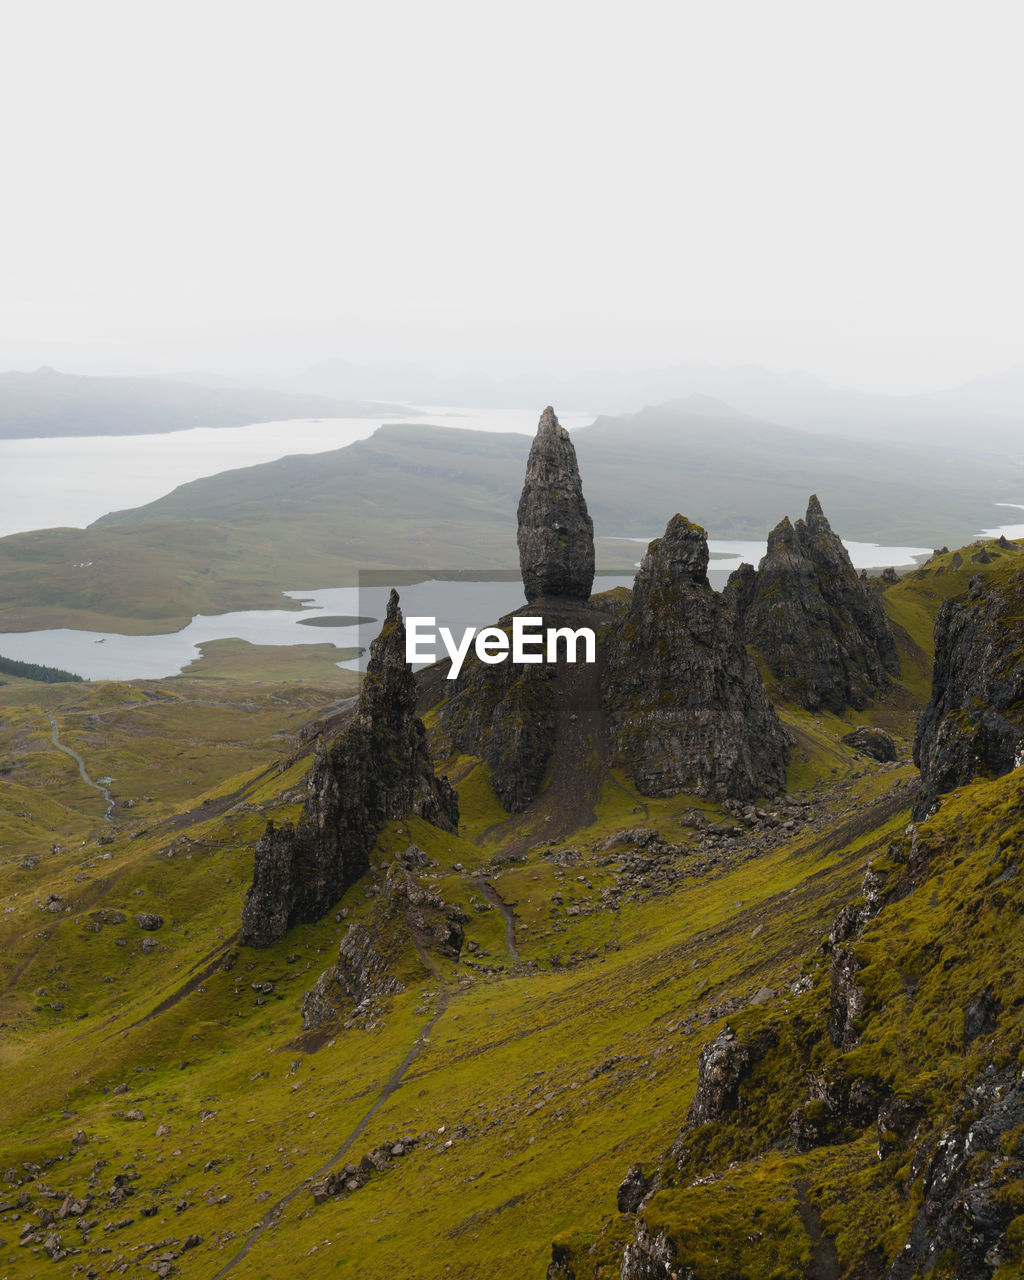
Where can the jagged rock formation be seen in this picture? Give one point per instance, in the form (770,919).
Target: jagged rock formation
(556,534)
(687,709)
(822,632)
(377,768)
(405,911)
(721,1067)
(966,1211)
(974,723)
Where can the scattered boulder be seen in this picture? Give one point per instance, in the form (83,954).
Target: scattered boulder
(146,920)
(875,743)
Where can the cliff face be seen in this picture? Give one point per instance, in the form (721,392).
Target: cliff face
(822,632)
(556,534)
(974,723)
(687,708)
(376,769)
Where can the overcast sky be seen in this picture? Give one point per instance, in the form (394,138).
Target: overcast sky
(831,186)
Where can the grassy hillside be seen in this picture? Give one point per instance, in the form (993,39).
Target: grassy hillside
(162,1078)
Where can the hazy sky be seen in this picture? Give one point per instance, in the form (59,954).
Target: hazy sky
(834,186)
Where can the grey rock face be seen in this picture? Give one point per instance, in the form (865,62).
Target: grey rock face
(377,768)
(506,714)
(556,534)
(721,1067)
(965,1214)
(632,1189)
(687,708)
(648,1257)
(846,999)
(974,723)
(822,631)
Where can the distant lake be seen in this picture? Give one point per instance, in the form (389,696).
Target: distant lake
(109,656)
(71,482)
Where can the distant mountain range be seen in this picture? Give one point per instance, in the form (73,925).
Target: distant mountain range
(985,415)
(48,403)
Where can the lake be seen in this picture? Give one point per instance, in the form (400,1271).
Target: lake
(109,656)
(71,482)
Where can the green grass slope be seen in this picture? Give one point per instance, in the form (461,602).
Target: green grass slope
(161,1079)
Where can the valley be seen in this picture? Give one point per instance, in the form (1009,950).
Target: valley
(489,1054)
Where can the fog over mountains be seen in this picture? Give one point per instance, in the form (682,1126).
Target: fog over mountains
(983,415)
(47,402)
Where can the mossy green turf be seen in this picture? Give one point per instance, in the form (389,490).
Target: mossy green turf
(549,1076)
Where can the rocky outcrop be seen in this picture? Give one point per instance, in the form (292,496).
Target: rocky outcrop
(632,1189)
(875,743)
(822,631)
(846,998)
(648,1257)
(556,534)
(720,1070)
(376,769)
(405,912)
(974,723)
(968,1187)
(687,709)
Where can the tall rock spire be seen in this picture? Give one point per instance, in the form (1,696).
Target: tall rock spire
(556,534)
(378,767)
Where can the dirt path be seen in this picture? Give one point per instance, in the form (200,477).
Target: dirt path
(392,1083)
(81,769)
(824,1261)
(496,900)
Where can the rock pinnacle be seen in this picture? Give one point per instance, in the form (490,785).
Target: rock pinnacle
(556,534)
